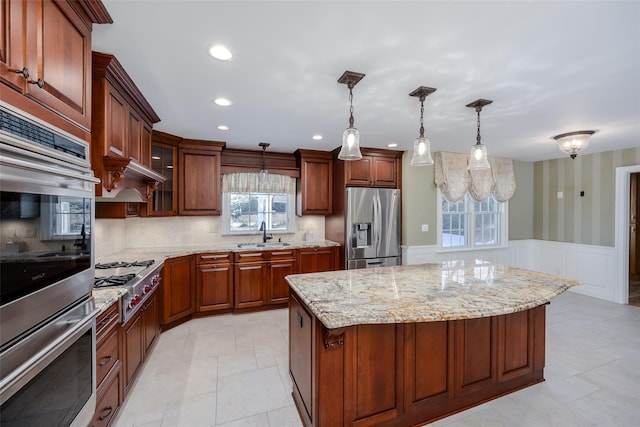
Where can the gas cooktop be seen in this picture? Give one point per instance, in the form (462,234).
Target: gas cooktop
(119,273)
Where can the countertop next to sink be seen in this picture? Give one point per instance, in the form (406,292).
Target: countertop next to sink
(424,293)
(106,296)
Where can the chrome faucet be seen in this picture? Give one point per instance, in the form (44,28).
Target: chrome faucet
(265,236)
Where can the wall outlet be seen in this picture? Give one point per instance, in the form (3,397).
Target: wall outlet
(560,195)
(213,228)
(425,228)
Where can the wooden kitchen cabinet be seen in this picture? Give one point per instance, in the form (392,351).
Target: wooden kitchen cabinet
(377,168)
(214,281)
(45,59)
(164,161)
(314,187)
(199,177)
(139,333)
(178,289)
(249,275)
(108,366)
(280,264)
(313,260)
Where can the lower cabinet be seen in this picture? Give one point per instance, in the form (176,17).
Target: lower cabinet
(108,366)
(138,334)
(214,275)
(313,260)
(280,264)
(249,275)
(178,289)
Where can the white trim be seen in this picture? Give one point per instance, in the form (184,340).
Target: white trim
(621,233)
(594,266)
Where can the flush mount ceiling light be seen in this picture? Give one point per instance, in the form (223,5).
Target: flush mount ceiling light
(422,146)
(478,155)
(574,142)
(223,102)
(220,52)
(351,137)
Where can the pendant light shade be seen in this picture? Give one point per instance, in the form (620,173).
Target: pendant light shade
(574,142)
(422,145)
(351,137)
(478,155)
(263,180)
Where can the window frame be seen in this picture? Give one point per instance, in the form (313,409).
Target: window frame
(226,216)
(503,233)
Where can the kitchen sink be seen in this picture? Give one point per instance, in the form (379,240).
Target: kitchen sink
(263,245)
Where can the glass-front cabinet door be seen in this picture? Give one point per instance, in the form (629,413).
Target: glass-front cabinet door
(164,160)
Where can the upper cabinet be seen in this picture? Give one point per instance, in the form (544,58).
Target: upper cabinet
(377,168)
(122,122)
(314,194)
(164,160)
(45,59)
(199,177)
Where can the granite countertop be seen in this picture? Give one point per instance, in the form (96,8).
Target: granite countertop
(106,296)
(424,293)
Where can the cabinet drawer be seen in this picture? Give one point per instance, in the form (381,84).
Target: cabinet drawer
(108,400)
(106,320)
(106,355)
(282,254)
(250,256)
(213,258)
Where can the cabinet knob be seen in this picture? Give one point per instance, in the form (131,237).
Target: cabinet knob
(24,72)
(105,360)
(39,83)
(105,413)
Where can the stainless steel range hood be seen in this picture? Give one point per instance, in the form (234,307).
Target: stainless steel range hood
(126,180)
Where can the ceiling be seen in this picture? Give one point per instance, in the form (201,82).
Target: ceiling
(550,67)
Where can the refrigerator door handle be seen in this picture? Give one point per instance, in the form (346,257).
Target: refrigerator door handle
(377,208)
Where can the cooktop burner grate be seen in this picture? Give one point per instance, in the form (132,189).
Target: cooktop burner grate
(102,282)
(119,264)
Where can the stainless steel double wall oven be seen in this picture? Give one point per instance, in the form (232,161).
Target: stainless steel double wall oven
(47,314)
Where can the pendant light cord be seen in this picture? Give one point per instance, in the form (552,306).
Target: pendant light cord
(422,117)
(478,109)
(350,104)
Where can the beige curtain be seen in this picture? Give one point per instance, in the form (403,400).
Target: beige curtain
(454,180)
(251,183)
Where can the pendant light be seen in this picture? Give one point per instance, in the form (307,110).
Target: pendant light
(478,155)
(351,137)
(574,142)
(422,146)
(263,172)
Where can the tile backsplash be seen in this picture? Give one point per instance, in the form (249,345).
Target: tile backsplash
(115,235)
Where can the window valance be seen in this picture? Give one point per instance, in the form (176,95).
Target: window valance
(251,183)
(454,179)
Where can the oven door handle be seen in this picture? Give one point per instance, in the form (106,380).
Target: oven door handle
(20,376)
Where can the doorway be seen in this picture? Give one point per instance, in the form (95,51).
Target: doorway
(634,239)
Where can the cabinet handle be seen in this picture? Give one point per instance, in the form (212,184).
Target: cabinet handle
(24,72)
(208,270)
(109,410)
(39,83)
(255,267)
(213,256)
(633,228)
(105,360)
(104,321)
(299,318)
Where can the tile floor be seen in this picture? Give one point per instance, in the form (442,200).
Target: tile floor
(231,370)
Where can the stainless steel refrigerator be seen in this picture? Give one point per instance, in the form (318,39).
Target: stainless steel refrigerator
(372,227)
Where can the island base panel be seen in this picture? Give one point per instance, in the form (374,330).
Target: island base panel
(409,374)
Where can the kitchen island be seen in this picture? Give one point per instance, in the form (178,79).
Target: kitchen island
(401,346)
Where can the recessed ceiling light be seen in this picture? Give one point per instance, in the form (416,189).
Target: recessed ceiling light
(222,127)
(316,137)
(220,52)
(224,102)
(392,145)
